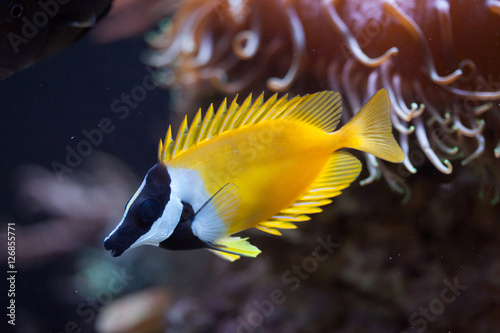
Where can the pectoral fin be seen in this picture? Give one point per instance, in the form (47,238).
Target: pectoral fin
(213,219)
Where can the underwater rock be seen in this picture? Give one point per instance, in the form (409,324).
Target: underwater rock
(141,312)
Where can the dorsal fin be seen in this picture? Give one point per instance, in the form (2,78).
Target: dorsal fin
(322,110)
(339,172)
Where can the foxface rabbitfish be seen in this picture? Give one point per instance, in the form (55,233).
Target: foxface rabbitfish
(262,164)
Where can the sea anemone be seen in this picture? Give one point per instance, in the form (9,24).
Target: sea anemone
(440,61)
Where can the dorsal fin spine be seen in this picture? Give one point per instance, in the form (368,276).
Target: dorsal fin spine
(160,152)
(181,137)
(230,114)
(206,122)
(256,113)
(216,122)
(167,145)
(287,107)
(276,108)
(193,130)
(291,105)
(272,111)
(242,111)
(245,115)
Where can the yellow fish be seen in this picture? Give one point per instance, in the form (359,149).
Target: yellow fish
(262,164)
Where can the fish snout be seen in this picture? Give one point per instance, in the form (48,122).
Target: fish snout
(115,247)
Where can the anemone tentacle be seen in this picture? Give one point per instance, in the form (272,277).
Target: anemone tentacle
(443,82)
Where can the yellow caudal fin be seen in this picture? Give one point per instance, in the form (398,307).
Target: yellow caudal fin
(231,248)
(370,130)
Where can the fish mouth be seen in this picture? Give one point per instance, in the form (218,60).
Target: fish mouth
(115,252)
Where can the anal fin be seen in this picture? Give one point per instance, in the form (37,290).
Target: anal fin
(339,172)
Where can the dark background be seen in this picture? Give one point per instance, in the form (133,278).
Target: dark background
(45,108)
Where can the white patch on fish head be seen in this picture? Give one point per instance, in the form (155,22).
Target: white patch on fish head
(190,188)
(186,186)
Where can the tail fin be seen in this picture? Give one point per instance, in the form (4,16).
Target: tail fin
(370,130)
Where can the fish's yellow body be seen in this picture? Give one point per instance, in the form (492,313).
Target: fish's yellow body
(280,156)
(271,164)
(263,164)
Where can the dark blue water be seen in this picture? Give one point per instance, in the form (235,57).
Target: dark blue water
(44,110)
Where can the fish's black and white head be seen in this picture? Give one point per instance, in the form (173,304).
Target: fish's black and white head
(161,213)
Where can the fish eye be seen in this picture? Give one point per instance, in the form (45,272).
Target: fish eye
(149,210)
(16,10)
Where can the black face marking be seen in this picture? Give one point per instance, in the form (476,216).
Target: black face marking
(146,209)
(149,211)
(183,238)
